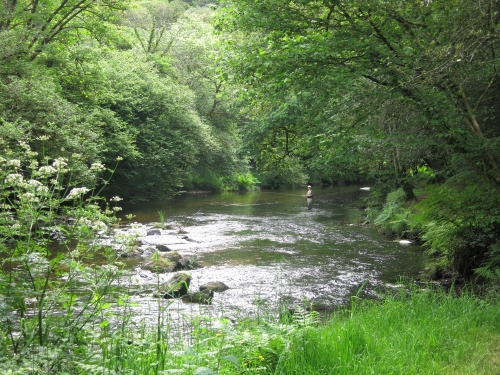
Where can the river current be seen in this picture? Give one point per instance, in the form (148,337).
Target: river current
(276,247)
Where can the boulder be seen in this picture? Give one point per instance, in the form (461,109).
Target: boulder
(169,262)
(154,232)
(203,297)
(132,252)
(176,286)
(214,286)
(163,248)
(161,264)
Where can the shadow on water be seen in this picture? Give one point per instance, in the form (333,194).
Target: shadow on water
(279,244)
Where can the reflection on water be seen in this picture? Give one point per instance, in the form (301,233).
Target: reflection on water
(272,245)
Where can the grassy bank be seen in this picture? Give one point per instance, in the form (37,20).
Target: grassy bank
(410,332)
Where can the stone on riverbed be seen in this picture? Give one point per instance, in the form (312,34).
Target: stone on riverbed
(159,264)
(154,232)
(176,286)
(163,248)
(133,252)
(203,296)
(214,286)
(169,262)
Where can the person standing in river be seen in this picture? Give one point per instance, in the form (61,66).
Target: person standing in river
(309,193)
(309,197)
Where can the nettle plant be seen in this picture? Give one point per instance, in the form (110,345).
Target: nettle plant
(52,289)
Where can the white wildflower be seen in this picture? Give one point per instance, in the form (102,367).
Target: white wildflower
(34,183)
(97,167)
(119,158)
(34,164)
(116,199)
(59,163)
(25,145)
(16,163)
(28,197)
(42,190)
(98,226)
(43,138)
(117,208)
(14,179)
(76,192)
(47,170)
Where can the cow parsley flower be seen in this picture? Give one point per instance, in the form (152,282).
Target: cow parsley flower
(14,179)
(77,192)
(97,167)
(47,170)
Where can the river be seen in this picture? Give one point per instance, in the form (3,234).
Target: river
(270,247)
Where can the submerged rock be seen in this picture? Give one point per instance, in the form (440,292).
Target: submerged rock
(154,232)
(214,286)
(169,262)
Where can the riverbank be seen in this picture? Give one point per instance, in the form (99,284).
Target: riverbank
(411,331)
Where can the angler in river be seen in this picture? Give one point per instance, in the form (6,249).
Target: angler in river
(309,197)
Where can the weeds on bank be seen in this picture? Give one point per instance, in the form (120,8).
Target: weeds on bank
(411,331)
(51,219)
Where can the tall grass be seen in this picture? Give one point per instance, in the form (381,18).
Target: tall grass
(411,332)
(425,333)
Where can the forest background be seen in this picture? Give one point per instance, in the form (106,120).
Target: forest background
(233,94)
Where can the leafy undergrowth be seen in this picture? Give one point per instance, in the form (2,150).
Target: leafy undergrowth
(410,331)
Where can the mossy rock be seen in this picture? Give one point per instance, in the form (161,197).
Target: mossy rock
(214,286)
(159,265)
(176,286)
(203,297)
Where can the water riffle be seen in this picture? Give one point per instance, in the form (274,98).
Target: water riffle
(275,246)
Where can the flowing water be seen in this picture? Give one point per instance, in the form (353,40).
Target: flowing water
(275,246)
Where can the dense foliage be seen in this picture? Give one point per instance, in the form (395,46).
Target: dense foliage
(108,79)
(403,93)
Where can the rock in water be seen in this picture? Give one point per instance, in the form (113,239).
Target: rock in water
(176,286)
(214,286)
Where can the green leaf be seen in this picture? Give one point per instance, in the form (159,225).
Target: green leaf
(231,358)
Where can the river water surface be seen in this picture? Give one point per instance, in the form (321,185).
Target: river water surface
(270,247)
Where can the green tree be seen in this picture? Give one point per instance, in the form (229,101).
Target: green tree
(400,85)
(32,27)
(439,59)
(169,134)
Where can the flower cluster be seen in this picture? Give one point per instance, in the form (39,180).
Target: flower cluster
(77,192)
(97,167)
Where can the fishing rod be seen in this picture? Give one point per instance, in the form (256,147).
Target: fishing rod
(292,195)
(181,227)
